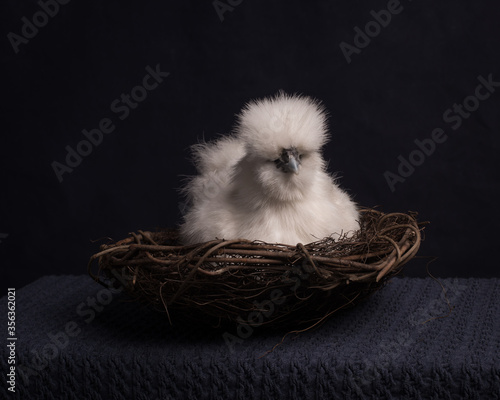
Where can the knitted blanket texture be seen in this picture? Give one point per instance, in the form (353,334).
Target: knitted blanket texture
(78,340)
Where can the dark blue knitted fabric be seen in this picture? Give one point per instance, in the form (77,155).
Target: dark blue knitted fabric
(77,340)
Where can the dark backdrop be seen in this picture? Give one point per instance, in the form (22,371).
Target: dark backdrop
(385,93)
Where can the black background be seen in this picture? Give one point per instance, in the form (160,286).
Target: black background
(394,91)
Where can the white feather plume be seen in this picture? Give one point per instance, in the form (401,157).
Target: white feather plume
(267,181)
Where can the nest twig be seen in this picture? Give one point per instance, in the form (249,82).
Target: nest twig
(257,282)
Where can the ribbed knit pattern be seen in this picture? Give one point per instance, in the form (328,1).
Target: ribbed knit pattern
(398,344)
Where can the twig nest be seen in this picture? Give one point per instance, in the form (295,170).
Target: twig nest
(241,280)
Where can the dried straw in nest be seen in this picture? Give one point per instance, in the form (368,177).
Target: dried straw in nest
(260,283)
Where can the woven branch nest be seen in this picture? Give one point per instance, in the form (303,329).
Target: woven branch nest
(260,283)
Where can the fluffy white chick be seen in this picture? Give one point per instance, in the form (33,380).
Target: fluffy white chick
(267,181)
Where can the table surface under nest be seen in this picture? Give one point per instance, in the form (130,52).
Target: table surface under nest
(76,340)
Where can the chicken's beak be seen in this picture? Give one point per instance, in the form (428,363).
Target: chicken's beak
(289,160)
(293,164)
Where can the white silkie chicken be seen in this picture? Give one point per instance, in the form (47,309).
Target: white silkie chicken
(267,181)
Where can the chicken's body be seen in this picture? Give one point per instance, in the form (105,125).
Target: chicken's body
(268,181)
